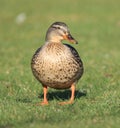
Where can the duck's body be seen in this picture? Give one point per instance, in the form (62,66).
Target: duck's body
(56,65)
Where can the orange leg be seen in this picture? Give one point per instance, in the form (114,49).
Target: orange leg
(45,101)
(71,101)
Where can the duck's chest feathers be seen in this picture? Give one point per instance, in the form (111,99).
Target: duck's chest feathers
(56,55)
(55,64)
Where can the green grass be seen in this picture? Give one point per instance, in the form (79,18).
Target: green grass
(96,26)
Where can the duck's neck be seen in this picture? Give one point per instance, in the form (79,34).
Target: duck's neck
(53,41)
(53,37)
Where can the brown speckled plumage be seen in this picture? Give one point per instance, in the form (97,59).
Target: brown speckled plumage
(57,65)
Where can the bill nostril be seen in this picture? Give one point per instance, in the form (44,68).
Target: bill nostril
(70,37)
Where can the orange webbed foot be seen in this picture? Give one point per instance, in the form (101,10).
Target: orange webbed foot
(42,104)
(66,103)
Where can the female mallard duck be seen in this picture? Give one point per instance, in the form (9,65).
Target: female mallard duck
(57,65)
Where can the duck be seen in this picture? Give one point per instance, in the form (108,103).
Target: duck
(56,64)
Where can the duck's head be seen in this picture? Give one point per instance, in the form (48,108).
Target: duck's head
(59,31)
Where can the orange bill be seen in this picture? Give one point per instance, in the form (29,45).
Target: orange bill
(70,38)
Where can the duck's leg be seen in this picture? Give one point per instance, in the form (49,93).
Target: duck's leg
(45,101)
(71,101)
(72,93)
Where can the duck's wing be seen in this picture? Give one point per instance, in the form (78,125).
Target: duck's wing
(75,54)
(35,55)
(78,60)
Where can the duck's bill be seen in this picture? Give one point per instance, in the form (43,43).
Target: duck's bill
(70,39)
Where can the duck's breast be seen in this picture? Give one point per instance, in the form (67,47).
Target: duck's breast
(56,66)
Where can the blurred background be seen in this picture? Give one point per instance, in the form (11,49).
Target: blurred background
(23,25)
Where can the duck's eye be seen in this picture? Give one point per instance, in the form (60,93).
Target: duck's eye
(58,27)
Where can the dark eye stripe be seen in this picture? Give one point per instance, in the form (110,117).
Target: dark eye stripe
(57,27)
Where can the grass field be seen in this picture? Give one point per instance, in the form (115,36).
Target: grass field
(96,26)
